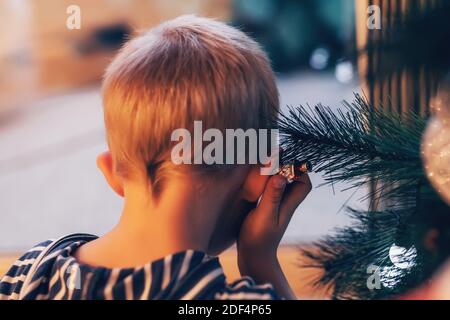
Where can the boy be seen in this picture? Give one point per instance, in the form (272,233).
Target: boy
(175,217)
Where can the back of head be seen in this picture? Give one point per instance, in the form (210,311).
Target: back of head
(184,70)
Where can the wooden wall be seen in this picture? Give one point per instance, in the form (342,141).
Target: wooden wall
(407,88)
(402,87)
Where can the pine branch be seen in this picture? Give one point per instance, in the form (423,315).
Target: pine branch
(359,145)
(346,257)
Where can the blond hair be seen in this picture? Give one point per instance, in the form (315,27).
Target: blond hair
(189,68)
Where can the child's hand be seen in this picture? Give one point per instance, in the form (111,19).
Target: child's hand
(264,227)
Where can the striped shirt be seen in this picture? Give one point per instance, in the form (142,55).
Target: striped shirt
(49,271)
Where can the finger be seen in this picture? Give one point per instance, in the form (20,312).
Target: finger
(271,198)
(294,195)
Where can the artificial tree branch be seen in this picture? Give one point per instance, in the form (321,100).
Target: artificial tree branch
(359,144)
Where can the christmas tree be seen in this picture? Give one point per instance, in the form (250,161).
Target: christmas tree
(404,236)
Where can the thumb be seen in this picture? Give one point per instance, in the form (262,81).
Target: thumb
(272,196)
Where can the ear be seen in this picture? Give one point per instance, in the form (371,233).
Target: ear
(105,164)
(254,184)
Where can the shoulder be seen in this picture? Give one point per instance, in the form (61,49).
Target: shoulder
(11,283)
(245,288)
(197,276)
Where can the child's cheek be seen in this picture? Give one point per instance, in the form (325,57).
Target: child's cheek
(254,186)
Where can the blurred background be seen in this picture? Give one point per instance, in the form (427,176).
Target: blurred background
(51,125)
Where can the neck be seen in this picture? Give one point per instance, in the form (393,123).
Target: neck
(184,217)
(174,219)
